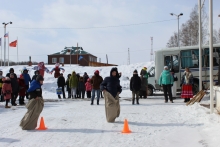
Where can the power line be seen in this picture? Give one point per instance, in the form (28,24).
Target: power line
(103,27)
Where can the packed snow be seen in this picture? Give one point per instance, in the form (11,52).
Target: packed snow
(75,122)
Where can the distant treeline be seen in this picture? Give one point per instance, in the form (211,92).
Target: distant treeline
(19,63)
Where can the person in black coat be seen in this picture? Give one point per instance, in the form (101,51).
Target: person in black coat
(36,73)
(11,70)
(112,83)
(61,83)
(15,89)
(135,86)
(68,89)
(85,77)
(81,88)
(77,90)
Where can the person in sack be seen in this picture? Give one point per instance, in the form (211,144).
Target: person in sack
(73,83)
(61,84)
(187,85)
(36,73)
(111,89)
(67,86)
(96,81)
(144,83)
(22,90)
(175,79)
(11,70)
(135,86)
(1,84)
(88,88)
(15,89)
(166,80)
(27,80)
(34,106)
(81,88)
(7,91)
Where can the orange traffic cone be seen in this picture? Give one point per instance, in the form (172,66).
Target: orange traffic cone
(42,125)
(126,127)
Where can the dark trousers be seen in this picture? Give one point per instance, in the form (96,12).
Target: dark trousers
(77,93)
(21,100)
(88,93)
(81,93)
(142,93)
(69,93)
(6,102)
(101,94)
(27,87)
(62,92)
(14,96)
(1,96)
(167,89)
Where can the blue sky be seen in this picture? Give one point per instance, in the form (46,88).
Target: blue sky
(115,42)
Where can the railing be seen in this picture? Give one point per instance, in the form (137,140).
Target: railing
(97,64)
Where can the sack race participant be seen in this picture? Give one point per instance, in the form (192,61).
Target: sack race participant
(57,70)
(111,89)
(34,106)
(41,68)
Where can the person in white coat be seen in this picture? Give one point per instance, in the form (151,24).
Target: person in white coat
(175,79)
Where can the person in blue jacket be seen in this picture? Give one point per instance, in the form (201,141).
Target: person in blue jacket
(27,80)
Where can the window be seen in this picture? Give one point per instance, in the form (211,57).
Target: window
(54,60)
(172,61)
(152,72)
(61,60)
(190,58)
(216,52)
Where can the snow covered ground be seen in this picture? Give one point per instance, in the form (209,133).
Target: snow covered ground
(75,123)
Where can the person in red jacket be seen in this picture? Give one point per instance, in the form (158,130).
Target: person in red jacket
(88,88)
(22,90)
(7,91)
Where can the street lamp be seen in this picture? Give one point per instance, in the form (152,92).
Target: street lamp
(5,24)
(178,17)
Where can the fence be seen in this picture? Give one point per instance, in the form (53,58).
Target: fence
(97,64)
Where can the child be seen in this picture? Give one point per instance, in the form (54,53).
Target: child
(88,88)
(81,87)
(7,91)
(68,89)
(22,90)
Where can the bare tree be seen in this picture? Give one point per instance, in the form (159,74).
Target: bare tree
(173,41)
(189,32)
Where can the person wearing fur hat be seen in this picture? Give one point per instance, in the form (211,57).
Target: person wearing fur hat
(144,82)
(135,86)
(187,85)
(7,91)
(96,82)
(166,80)
(111,89)
(1,83)
(22,90)
(11,70)
(15,89)
(34,106)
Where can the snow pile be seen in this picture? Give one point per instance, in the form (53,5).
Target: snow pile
(50,83)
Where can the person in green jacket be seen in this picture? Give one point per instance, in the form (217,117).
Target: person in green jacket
(166,80)
(73,83)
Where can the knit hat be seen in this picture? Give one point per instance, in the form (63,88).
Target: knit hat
(135,71)
(96,72)
(11,70)
(165,67)
(145,68)
(39,78)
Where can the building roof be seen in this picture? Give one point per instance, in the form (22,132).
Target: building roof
(73,51)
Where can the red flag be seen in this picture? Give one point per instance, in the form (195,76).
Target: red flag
(13,44)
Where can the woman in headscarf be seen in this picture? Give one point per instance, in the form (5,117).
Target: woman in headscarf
(187,85)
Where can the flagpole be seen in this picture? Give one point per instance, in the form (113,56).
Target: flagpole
(17,51)
(8,48)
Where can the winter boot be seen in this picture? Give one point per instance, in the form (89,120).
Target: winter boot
(97,102)
(132,101)
(92,103)
(137,101)
(7,107)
